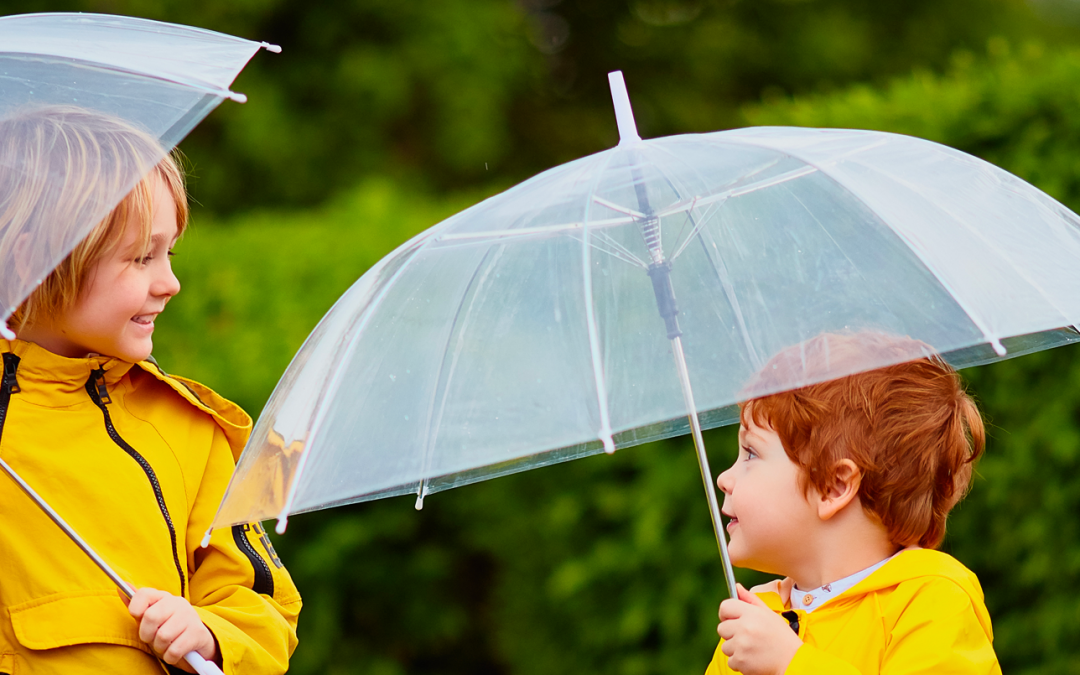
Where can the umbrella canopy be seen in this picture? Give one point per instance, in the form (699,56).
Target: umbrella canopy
(525,330)
(160,79)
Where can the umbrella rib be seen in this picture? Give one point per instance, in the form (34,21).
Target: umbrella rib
(721,270)
(994,340)
(604,432)
(620,209)
(345,350)
(700,223)
(618,251)
(528,231)
(1018,269)
(433,431)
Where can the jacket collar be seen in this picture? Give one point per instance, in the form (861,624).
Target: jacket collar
(60,381)
(41,369)
(908,564)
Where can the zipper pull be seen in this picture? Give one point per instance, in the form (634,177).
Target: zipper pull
(10,382)
(99,385)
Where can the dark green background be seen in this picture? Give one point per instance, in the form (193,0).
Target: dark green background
(382,117)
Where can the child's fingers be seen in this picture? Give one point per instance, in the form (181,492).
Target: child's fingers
(171,633)
(726,630)
(178,636)
(750,598)
(732,609)
(143,599)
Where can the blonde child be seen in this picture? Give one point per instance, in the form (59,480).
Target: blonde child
(134,459)
(843,489)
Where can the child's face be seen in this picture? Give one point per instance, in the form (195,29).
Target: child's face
(770,518)
(125,291)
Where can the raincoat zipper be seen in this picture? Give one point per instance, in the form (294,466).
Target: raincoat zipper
(99,394)
(264,579)
(8,385)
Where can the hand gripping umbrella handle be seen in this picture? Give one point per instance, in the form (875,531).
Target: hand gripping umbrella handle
(201,665)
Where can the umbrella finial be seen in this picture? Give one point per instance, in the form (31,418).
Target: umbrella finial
(624,114)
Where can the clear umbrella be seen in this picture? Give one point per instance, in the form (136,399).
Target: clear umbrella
(595,305)
(143,85)
(160,78)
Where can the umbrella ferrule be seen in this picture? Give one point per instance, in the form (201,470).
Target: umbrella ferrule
(660,273)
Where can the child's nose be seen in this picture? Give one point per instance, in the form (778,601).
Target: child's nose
(724,481)
(167,284)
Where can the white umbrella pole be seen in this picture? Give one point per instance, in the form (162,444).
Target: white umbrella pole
(201,665)
(660,273)
(703,463)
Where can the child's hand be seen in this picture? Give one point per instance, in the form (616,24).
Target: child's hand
(756,640)
(172,627)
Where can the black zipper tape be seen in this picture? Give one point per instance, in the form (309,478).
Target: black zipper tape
(95,386)
(8,385)
(264,579)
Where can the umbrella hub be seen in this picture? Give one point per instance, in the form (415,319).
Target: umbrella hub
(650,230)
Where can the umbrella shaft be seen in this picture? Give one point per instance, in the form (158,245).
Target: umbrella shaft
(124,587)
(703,463)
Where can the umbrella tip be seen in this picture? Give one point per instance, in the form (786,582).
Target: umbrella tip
(206,538)
(5,331)
(609,443)
(274,49)
(624,114)
(419,506)
(999,348)
(282,523)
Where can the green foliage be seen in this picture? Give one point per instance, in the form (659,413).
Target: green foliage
(453,94)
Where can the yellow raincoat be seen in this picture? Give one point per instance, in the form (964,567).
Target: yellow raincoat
(921,612)
(136,461)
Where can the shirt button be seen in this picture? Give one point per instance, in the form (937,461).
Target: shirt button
(807,599)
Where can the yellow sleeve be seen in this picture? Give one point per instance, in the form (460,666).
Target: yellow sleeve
(938,631)
(238,585)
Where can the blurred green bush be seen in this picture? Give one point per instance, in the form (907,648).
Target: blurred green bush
(607,564)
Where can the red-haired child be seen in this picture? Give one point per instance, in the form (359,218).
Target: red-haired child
(843,489)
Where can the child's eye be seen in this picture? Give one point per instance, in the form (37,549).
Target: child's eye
(750,454)
(171,253)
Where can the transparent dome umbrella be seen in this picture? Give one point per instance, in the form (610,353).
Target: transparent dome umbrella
(595,305)
(143,84)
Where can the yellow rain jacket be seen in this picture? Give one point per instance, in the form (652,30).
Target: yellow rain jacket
(921,612)
(136,461)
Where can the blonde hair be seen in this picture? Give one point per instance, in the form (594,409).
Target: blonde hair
(60,168)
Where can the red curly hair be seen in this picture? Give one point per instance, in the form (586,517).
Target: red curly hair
(912,430)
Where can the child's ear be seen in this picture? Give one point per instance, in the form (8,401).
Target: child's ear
(843,488)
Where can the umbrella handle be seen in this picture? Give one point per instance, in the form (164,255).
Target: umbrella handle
(201,665)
